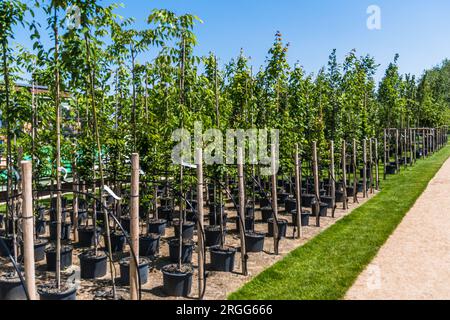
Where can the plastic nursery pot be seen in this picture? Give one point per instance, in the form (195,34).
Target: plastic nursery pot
(350,191)
(188,230)
(250,211)
(264,203)
(93,266)
(125,270)
(11,288)
(282,197)
(191,216)
(307,199)
(328,200)
(222,259)
(177,282)
(125,222)
(266,214)
(249,224)
(39,249)
(305,218)
(323,210)
(391,169)
(166,213)
(282,228)
(254,241)
(149,245)
(65,231)
(66,257)
(158,227)
(216,208)
(212,236)
(118,241)
(86,236)
(290,204)
(50,292)
(40,226)
(339,196)
(186,251)
(9,242)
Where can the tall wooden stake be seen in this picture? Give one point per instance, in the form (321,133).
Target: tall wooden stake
(365,168)
(241,185)
(274,201)
(385,154)
(316,183)
(200,224)
(377,171)
(28,230)
(397,149)
(355,183)
(134,225)
(344,175)
(332,179)
(298,192)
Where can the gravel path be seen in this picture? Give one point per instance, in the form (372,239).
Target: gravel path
(414,264)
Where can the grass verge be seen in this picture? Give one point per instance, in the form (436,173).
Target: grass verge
(327,266)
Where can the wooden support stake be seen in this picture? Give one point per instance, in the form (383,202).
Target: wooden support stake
(365,168)
(355,182)
(200,223)
(397,136)
(28,229)
(316,183)
(385,153)
(344,175)
(332,179)
(134,225)
(274,201)
(298,192)
(240,159)
(75,188)
(371,165)
(377,170)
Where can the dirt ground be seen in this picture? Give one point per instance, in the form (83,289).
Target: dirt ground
(414,264)
(219,285)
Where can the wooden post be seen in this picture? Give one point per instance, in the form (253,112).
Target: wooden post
(241,185)
(397,149)
(371,165)
(28,229)
(332,179)
(365,168)
(344,175)
(411,156)
(75,188)
(405,141)
(200,223)
(134,225)
(424,143)
(355,183)
(298,192)
(316,183)
(385,153)
(274,201)
(377,170)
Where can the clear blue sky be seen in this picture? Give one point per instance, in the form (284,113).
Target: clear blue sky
(416,29)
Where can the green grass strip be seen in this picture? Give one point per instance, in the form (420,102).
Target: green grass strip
(328,265)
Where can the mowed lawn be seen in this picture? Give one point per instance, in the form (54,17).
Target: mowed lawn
(327,266)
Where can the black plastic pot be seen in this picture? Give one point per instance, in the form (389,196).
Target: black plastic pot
(177,283)
(118,241)
(166,213)
(290,204)
(266,214)
(350,191)
(254,241)
(222,259)
(282,197)
(264,202)
(250,211)
(249,224)
(93,266)
(339,196)
(86,236)
(40,226)
(328,200)
(11,288)
(125,222)
(391,169)
(323,209)
(186,251)
(216,208)
(158,227)
(125,270)
(282,228)
(9,242)
(48,293)
(65,231)
(188,230)
(39,250)
(212,236)
(191,216)
(66,258)
(307,199)
(305,218)
(149,245)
